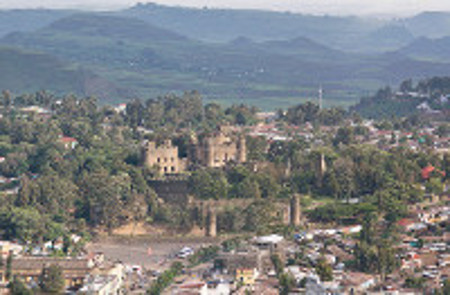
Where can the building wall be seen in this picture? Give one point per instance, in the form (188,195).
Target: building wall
(219,149)
(165,157)
(246,276)
(171,191)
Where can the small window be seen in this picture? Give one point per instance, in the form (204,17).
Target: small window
(165,159)
(173,169)
(159,160)
(165,169)
(172,159)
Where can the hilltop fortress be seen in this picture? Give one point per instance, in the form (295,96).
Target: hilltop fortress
(214,150)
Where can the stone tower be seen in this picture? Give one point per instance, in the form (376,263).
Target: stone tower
(211,226)
(295,210)
(242,149)
(209,152)
(321,168)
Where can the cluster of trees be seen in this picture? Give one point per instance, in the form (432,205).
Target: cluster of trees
(385,104)
(165,279)
(235,182)
(374,252)
(203,255)
(310,112)
(102,182)
(172,112)
(385,181)
(61,190)
(285,280)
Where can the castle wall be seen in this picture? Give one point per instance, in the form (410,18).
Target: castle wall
(171,191)
(218,150)
(165,157)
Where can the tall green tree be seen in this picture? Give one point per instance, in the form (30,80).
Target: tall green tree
(17,287)
(51,280)
(324,270)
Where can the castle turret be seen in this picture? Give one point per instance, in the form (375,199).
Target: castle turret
(295,210)
(211,228)
(209,150)
(164,156)
(242,149)
(321,168)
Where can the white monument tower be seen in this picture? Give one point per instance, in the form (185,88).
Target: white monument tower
(320,97)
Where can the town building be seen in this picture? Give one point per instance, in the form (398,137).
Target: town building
(30,268)
(246,276)
(68,142)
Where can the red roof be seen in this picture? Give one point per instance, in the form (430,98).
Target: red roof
(66,139)
(405,222)
(427,171)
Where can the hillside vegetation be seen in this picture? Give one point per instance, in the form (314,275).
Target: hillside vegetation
(273,58)
(33,71)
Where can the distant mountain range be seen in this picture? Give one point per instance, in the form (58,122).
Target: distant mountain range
(268,59)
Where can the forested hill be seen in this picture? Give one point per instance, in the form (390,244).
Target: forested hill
(223,25)
(428,49)
(147,60)
(27,20)
(37,70)
(429,96)
(32,71)
(266,58)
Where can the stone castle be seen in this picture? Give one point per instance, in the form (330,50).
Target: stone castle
(219,148)
(165,157)
(214,150)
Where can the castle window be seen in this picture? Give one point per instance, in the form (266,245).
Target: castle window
(159,160)
(172,159)
(165,169)
(173,169)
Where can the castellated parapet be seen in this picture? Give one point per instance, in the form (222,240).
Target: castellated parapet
(214,151)
(219,148)
(165,157)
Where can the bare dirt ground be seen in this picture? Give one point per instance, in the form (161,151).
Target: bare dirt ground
(148,252)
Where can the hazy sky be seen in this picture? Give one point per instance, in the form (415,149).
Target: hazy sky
(389,7)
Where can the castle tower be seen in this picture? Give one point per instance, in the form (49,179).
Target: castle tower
(321,169)
(209,153)
(211,228)
(295,210)
(193,150)
(164,156)
(242,149)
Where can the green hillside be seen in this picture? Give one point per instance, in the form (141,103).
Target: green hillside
(146,60)
(26,20)
(428,49)
(150,60)
(26,71)
(223,25)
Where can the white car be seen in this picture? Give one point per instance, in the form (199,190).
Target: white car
(185,252)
